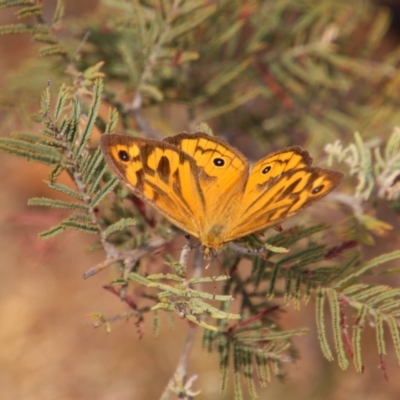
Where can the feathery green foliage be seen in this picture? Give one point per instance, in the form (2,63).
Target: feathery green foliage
(64,147)
(376,167)
(40,31)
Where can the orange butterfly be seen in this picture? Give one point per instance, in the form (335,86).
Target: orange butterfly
(206,188)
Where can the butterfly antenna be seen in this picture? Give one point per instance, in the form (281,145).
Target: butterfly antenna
(221,267)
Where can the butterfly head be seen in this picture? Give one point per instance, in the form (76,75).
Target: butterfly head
(209,252)
(213,237)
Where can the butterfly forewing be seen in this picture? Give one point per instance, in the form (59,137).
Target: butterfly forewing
(223,172)
(161,175)
(215,158)
(283,196)
(275,165)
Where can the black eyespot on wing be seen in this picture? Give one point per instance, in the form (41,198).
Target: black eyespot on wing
(123,155)
(266,170)
(317,189)
(219,162)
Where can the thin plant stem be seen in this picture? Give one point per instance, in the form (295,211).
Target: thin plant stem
(179,382)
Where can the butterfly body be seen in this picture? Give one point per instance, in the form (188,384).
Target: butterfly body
(206,187)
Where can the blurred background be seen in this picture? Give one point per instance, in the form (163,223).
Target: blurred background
(50,350)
